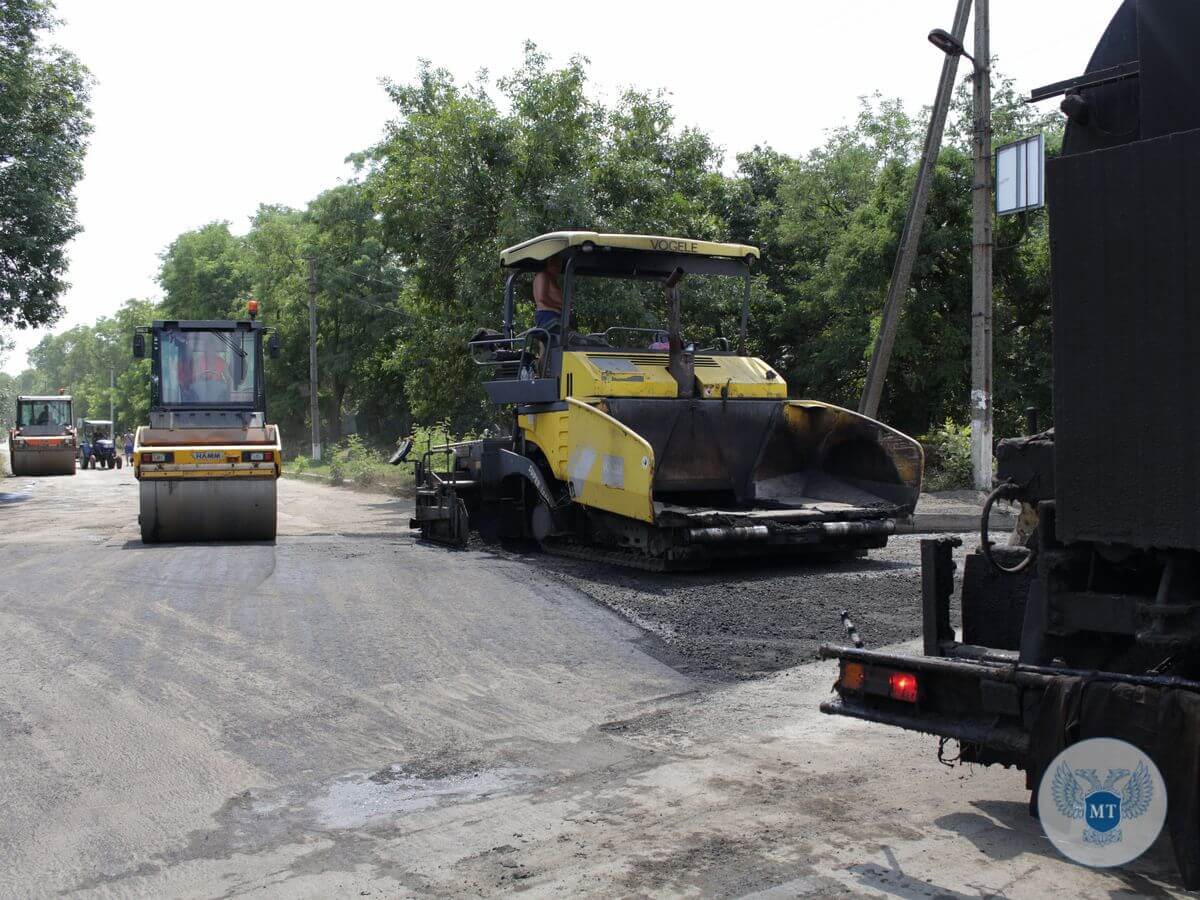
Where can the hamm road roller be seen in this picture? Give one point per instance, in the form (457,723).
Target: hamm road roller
(208,461)
(43,442)
(646,446)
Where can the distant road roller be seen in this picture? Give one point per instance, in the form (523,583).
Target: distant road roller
(43,441)
(208,462)
(654,441)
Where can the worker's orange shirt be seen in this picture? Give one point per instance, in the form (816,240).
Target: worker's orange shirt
(205,361)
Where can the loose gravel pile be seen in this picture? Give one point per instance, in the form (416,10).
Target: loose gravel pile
(750,618)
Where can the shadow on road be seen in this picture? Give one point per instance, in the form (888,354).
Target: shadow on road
(892,880)
(1003,830)
(137,544)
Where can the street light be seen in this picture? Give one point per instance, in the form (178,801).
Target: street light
(949,44)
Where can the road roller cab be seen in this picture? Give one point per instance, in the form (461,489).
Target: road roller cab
(208,460)
(644,429)
(43,441)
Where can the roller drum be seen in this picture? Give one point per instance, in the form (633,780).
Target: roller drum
(208,509)
(43,462)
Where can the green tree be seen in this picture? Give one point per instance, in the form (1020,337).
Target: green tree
(79,361)
(278,282)
(457,179)
(407,255)
(44,124)
(358,286)
(841,211)
(205,274)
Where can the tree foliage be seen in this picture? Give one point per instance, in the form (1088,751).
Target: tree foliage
(407,253)
(79,361)
(44,124)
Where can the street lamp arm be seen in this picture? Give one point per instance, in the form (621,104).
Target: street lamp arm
(950,45)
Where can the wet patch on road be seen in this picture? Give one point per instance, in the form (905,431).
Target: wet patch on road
(360,800)
(350,813)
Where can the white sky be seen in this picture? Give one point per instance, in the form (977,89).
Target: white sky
(205,108)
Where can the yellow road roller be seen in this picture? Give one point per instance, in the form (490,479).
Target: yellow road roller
(208,461)
(656,442)
(43,441)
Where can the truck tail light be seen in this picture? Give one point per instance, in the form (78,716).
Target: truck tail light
(903,686)
(158,457)
(879,681)
(257,456)
(854,676)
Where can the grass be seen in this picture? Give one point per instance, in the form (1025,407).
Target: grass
(374,475)
(355,464)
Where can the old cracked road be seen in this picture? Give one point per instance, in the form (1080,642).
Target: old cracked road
(348,712)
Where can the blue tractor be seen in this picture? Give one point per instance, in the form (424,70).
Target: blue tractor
(98,436)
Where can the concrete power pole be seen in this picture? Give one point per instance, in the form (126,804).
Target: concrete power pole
(981,258)
(910,239)
(314,408)
(111,394)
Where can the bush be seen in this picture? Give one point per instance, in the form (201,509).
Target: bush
(337,468)
(300,464)
(358,461)
(352,461)
(948,458)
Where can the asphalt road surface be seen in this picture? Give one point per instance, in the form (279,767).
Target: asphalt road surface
(349,712)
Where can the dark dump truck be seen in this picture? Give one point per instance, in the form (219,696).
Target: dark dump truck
(1090,626)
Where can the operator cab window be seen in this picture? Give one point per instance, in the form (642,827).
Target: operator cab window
(207,367)
(43,412)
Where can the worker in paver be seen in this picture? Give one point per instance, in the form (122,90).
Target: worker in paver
(547,297)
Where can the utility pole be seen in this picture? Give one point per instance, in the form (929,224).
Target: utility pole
(314,409)
(910,239)
(111,394)
(981,258)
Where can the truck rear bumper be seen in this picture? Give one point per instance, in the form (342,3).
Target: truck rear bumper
(984,699)
(986,703)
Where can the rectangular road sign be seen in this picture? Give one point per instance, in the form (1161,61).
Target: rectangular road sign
(1021,176)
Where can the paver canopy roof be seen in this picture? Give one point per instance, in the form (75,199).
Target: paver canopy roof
(544,246)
